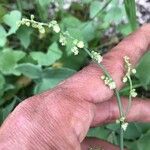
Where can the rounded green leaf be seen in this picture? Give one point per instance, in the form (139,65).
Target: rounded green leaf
(51,77)
(9,59)
(30,70)
(52,55)
(11,20)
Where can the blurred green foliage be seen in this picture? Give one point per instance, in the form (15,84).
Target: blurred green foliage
(31,63)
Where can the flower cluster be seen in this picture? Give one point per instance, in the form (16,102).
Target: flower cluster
(133,93)
(109,82)
(54,25)
(38,25)
(123,123)
(62,39)
(96,56)
(76,46)
(63,36)
(128,68)
(128,73)
(31,22)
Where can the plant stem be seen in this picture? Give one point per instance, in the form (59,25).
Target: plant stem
(121,138)
(130,97)
(108,75)
(117,95)
(119,103)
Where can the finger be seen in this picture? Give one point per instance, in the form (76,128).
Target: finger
(87,84)
(97,144)
(108,111)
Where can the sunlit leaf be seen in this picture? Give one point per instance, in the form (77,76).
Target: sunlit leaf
(11,20)
(9,59)
(52,55)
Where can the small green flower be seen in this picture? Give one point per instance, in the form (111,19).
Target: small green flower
(80,44)
(134,71)
(32,17)
(96,56)
(133,93)
(56,28)
(62,39)
(125,79)
(75,50)
(53,24)
(124,126)
(27,23)
(109,82)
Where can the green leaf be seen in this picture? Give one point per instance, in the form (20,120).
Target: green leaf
(88,30)
(3,36)
(3,11)
(95,8)
(30,70)
(5,111)
(24,34)
(11,20)
(132,131)
(142,143)
(114,15)
(9,59)
(51,77)
(44,3)
(99,132)
(143,70)
(2,81)
(125,29)
(53,54)
(70,22)
(78,61)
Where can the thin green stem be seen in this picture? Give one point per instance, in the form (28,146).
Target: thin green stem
(130,96)
(121,138)
(118,99)
(108,75)
(119,103)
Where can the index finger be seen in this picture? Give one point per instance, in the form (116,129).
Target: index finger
(86,84)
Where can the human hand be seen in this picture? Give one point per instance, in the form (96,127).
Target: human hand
(61,117)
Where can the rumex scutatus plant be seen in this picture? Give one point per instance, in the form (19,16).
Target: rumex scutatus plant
(77,46)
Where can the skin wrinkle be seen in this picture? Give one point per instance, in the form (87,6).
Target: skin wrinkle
(79,108)
(109,116)
(25,127)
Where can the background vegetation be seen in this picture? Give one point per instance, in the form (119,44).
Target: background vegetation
(31,62)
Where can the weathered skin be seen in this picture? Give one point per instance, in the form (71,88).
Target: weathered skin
(60,118)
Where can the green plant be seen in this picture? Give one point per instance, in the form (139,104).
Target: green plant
(37,62)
